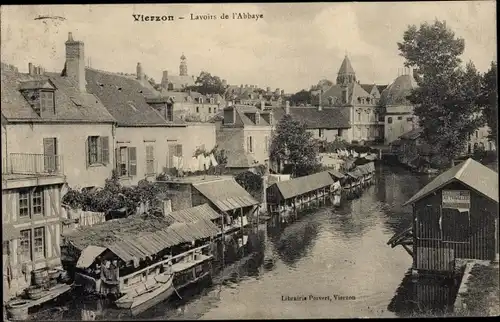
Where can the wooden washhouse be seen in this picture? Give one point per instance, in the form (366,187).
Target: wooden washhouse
(455,216)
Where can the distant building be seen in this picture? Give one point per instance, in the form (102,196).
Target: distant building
(178,82)
(193,106)
(362,100)
(399,117)
(326,124)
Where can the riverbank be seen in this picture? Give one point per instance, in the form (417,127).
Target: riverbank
(479,294)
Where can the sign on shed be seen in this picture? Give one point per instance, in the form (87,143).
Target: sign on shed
(456,199)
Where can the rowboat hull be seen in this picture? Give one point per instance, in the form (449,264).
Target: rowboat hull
(140,303)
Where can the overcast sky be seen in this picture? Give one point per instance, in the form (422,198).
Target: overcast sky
(293,47)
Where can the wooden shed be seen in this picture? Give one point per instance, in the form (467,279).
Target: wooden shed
(298,191)
(455,216)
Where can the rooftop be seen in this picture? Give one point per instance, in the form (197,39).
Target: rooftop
(71,105)
(471,173)
(327,118)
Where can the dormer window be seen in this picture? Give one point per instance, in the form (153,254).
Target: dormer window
(271,119)
(47,102)
(200,100)
(257,118)
(40,95)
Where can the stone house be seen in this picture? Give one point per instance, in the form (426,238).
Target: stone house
(245,133)
(363,105)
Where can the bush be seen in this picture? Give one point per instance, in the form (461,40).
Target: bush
(113,196)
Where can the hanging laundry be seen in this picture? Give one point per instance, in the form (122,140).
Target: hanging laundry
(206,163)
(212,159)
(194,165)
(201,162)
(180,164)
(175,162)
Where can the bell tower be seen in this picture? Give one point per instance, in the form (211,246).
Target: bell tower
(346,74)
(183,69)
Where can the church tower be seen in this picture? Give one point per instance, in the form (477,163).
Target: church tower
(346,74)
(183,68)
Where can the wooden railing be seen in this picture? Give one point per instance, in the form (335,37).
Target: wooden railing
(28,163)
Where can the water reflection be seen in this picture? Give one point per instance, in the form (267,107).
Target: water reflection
(325,250)
(424,297)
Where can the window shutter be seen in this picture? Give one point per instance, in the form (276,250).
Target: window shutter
(49,152)
(132,161)
(118,160)
(99,150)
(179,150)
(104,149)
(87,152)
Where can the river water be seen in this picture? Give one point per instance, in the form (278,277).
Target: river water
(338,256)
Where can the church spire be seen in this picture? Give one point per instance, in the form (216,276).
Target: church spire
(346,74)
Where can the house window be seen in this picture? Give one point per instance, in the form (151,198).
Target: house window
(359,116)
(400,118)
(266,143)
(47,102)
(389,120)
(25,246)
(126,161)
(477,134)
(39,243)
(197,109)
(257,118)
(170,86)
(250,144)
(37,202)
(170,113)
(209,110)
(31,202)
(409,119)
(97,150)
(24,206)
(150,159)
(321,133)
(201,100)
(270,119)
(339,132)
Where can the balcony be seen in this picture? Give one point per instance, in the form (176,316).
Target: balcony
(32,164)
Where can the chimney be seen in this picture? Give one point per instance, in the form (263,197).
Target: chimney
(224,83)
(31,69)
(246,85)
(287,107)
(241,86)
(282,92)
(164,79)
(75,62)
(139,74)
(268,89)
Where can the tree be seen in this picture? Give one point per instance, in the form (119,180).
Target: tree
(302,97)
(251,182)
(446,99)
(208,84)
(489,101)
(322,84)
(292,144)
